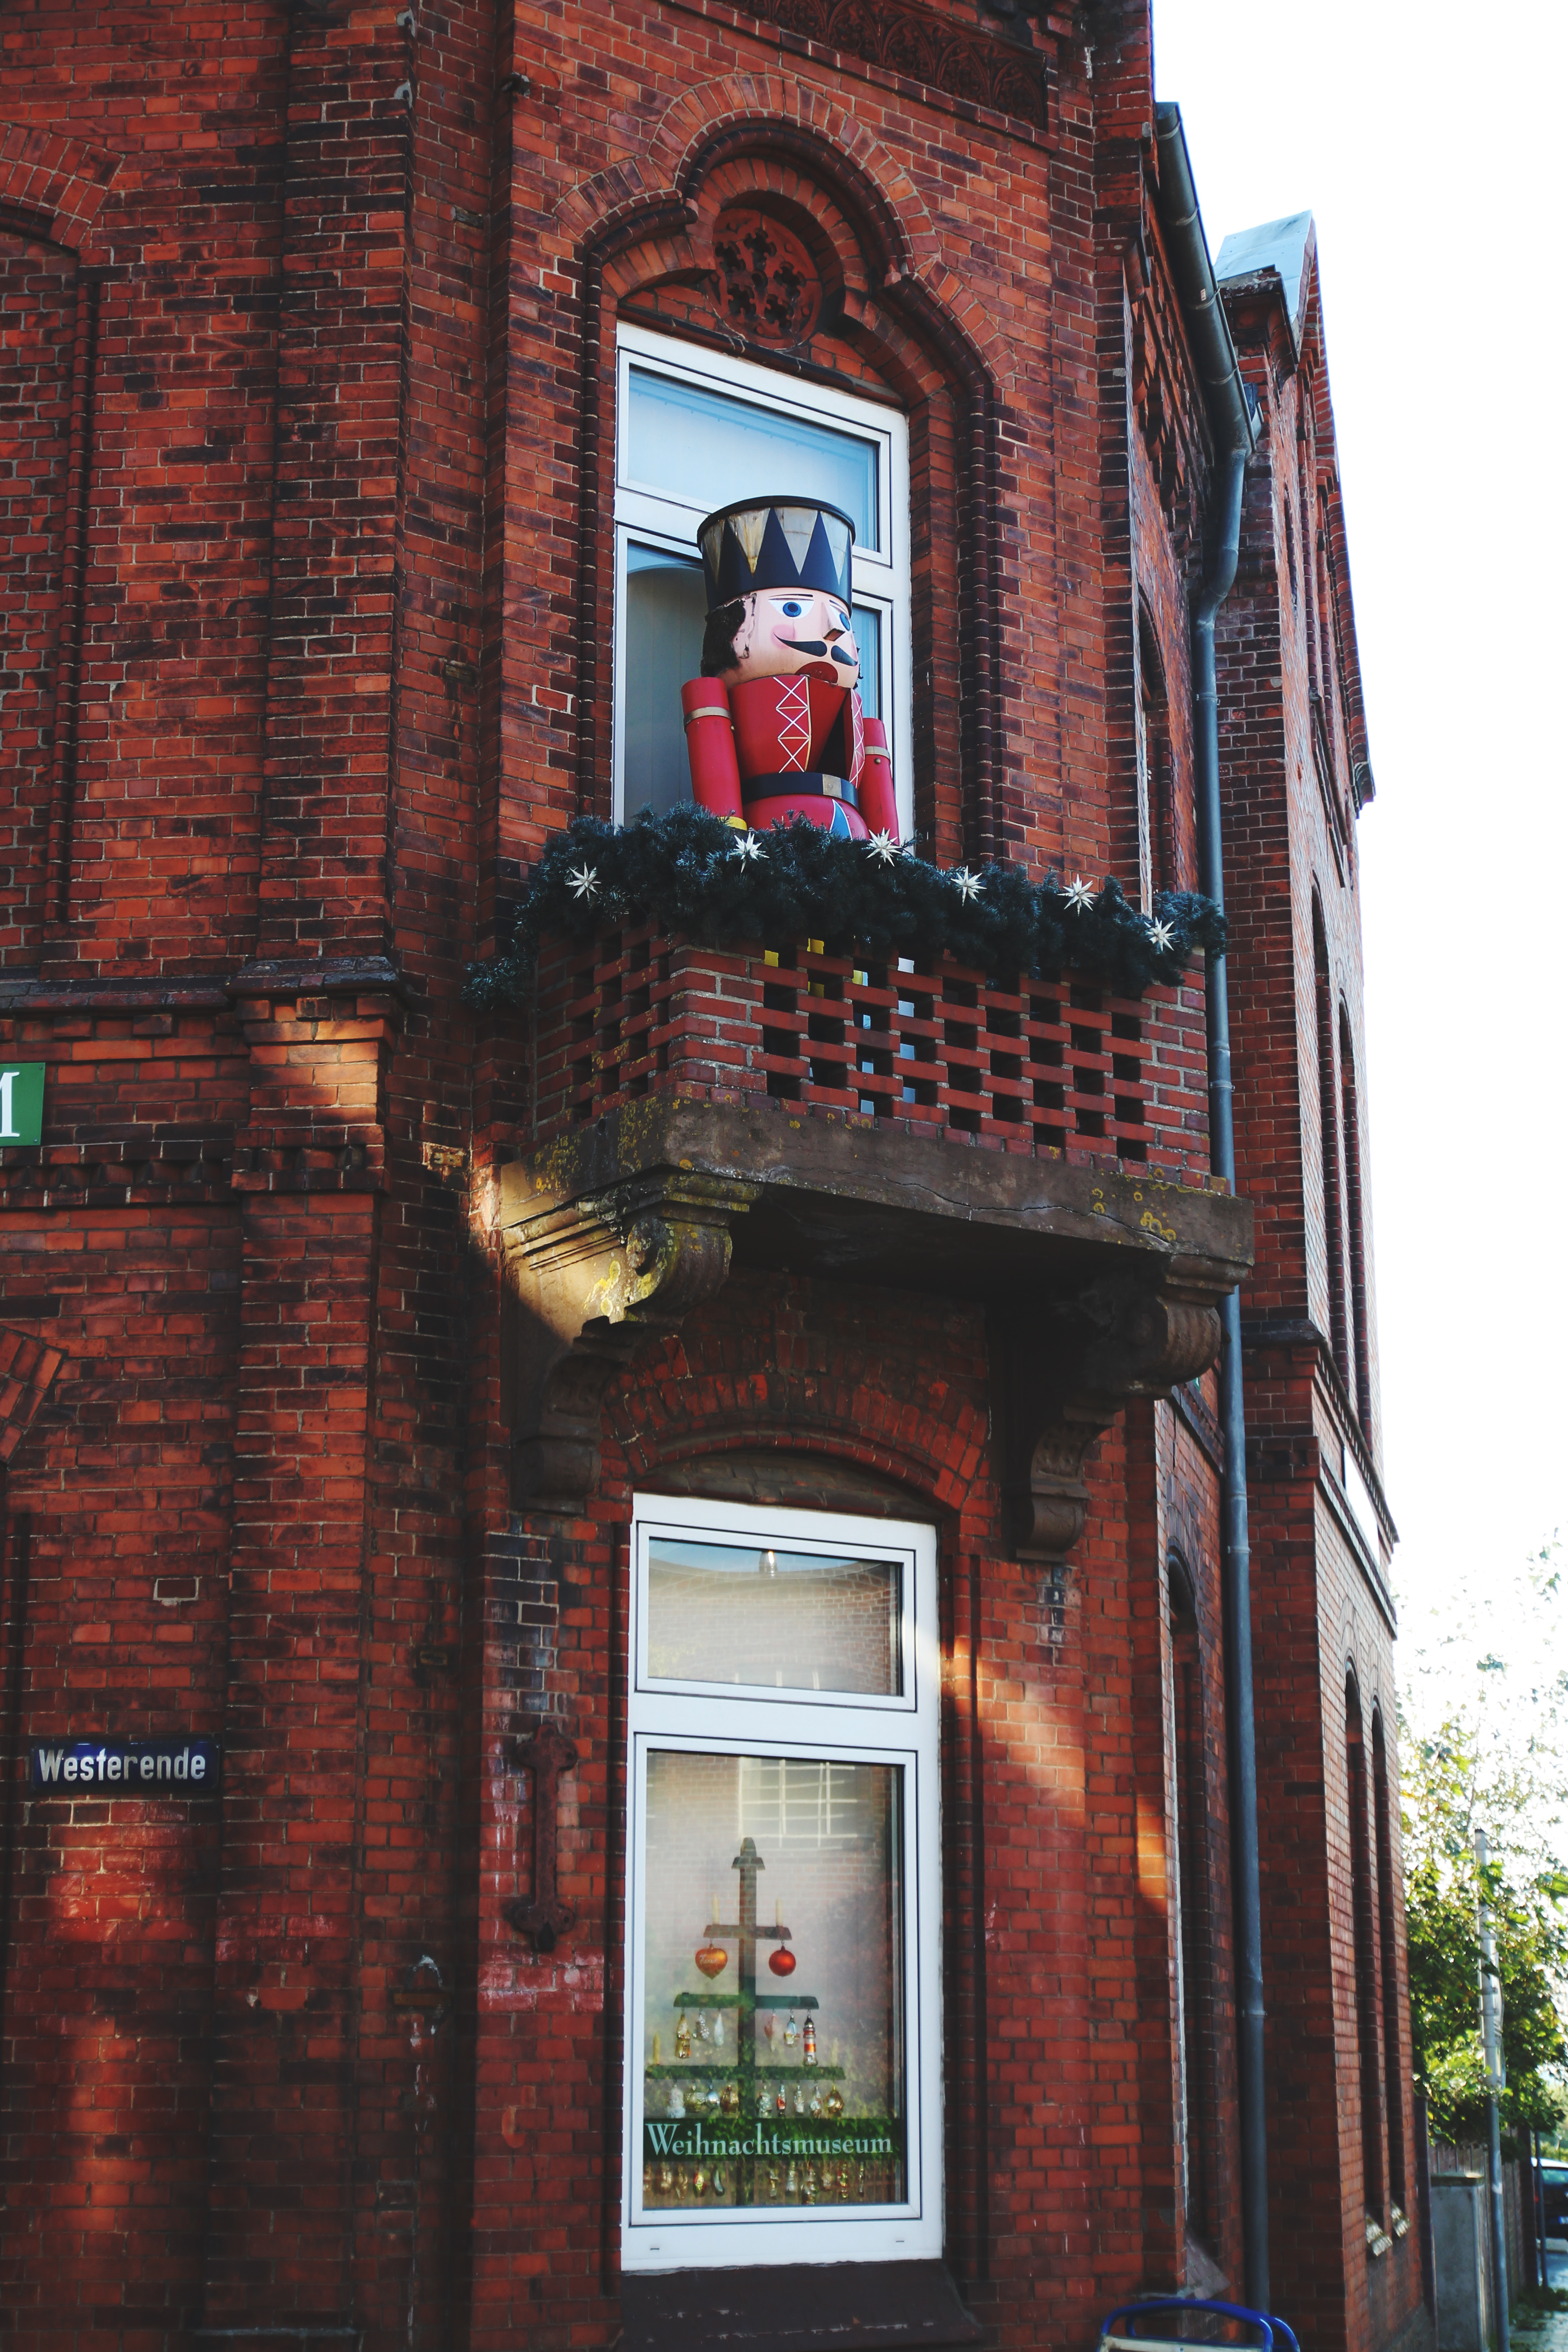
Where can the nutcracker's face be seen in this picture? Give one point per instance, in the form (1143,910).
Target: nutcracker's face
(791,632)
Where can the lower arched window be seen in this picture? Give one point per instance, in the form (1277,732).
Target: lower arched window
(1363,1940)
(783,1907)
(1193,1910)
(1393,2070)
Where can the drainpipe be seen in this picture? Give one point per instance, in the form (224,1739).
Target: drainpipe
(1215,357)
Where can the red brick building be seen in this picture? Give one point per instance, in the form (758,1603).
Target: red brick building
(741,1408)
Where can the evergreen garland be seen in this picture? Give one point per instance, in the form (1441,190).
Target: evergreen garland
(693,875)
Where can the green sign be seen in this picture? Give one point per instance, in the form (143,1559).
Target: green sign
(22,1103)
(879,2138)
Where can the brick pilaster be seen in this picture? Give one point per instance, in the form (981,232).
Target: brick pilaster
(285,2123)
(340,372)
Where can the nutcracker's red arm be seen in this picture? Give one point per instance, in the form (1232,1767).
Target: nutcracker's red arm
(710,748)
(878,803)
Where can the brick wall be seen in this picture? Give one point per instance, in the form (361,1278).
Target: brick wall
(1006,1064)
(1292,749)
(308,342)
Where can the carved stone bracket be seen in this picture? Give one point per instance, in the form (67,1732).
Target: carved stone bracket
(1099,1284)
(542,1915)
(1068,1372)
(596,1276)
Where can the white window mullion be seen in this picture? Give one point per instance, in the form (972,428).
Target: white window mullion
(821,1807)
(663,517)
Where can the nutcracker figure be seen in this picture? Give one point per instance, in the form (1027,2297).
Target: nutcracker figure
(774,725)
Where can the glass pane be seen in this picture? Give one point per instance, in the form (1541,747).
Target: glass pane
(774,2071)
(666,616)
(794,1620)
(708,448)
(868,638)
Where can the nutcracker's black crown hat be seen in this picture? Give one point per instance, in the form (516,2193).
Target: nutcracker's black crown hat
(776,543)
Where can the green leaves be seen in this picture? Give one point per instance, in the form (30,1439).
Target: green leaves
(1444,1804)
(1484,1744)
(685,870)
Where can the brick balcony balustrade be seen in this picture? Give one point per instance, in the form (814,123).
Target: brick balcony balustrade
(1059,1067)
(772,1106)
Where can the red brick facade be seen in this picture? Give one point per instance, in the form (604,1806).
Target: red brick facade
(308,323)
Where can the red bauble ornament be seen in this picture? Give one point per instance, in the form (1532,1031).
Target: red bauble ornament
(782,1961)
(711,1959)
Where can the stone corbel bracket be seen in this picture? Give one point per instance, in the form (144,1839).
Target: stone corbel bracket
(1069,1371)
(596,1276)
(1099,1284)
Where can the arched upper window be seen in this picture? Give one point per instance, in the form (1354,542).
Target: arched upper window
(1156,784)
(1328,1120)
(697,429)
(1364,1937)
(1350,1110)
(43,350)
(1306,469)
(773,343)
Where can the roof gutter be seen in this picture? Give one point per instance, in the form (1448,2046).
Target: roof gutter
(1213,356)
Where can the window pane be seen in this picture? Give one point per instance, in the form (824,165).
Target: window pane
(868,638)
(665,614)
(774,2069)
(706,449)
(793,1621)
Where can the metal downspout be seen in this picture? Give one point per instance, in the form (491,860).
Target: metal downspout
(1216,359)
(1236,1558)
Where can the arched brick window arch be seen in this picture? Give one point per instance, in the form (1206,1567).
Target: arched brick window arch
(868,326)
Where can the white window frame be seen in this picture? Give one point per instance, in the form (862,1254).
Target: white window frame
(880,575)
(833,1727)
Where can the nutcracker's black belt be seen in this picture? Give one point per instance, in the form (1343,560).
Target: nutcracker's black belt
(797,780)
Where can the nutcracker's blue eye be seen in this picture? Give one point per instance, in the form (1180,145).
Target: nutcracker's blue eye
(791,609)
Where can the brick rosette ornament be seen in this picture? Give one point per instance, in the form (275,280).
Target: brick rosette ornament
(775,727)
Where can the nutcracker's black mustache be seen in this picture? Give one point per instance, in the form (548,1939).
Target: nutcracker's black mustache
(815,645)
(847,658)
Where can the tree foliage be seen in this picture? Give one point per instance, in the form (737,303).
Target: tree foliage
(1495,1760)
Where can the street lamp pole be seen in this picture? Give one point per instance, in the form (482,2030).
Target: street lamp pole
(1491,2043)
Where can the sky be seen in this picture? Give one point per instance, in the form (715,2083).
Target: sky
(1429,141)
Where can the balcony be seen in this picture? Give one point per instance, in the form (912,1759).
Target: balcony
(1038,1147)
(1052,1069)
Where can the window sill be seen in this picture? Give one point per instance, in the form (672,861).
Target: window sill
(794,2308)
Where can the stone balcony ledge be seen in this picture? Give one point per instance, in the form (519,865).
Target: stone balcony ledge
(1099,1275)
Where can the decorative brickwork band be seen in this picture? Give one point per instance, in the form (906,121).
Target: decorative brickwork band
(919,45)
(1034,1067)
